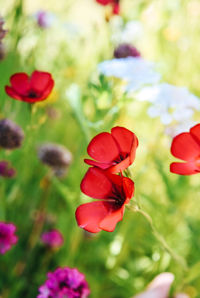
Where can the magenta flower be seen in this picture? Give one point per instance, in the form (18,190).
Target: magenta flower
(64,282)
(52,238)
(5,170)
(7,236)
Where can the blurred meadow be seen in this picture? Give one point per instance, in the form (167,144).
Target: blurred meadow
(83,103)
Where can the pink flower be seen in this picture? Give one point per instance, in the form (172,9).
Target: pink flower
(7,237)
(52,238)
(160,287)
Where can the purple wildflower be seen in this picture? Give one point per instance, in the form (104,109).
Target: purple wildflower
(11,135)
(52,238)
(64,282)
(5,170)
(7,237)
(125,50)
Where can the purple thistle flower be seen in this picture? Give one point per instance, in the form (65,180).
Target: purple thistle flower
(125,50)
(7,237)
(5,170)
(11,135)
(64,282)
(52,238)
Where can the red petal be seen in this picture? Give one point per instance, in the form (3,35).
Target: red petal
(184,147)
(124,164)
(111,219)
(195,132)
(89,215)
(20,83)
(104,2)
(40,80)
(103,148)
(124,138)
(48,90)
(180,168)
(100,165)
(116,8)
(12,93)
(96,184)
(128,186)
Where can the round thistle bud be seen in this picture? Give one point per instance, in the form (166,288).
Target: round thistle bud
(2,31)
(55,156)
(11,135)
(126,50)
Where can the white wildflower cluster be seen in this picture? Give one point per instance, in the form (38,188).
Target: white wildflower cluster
(136,72)
(175,106)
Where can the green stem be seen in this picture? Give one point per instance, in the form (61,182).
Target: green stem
(178,259)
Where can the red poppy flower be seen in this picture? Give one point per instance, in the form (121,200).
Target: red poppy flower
(113,151)
(113,191)
(31,89)
(113,3)
(186,146)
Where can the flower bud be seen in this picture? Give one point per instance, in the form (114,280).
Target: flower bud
(56,157)
(11,135)
(2,31)
(5,169)
(126,50)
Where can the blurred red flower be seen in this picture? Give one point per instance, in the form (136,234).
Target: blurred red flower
(113,151)
(31,89)
(186,146)
(113,191)
(113,3)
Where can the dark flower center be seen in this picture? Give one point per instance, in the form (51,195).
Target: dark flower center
(118,196)
(32,94)
(120,158)
(62,285)
(2,234)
